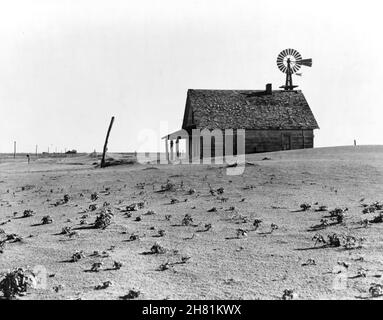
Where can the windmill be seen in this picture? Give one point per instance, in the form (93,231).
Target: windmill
(289,61)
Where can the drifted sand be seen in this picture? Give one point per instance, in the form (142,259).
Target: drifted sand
(221,266)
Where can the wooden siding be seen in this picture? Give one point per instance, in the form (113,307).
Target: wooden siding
(275,140)
(255,141)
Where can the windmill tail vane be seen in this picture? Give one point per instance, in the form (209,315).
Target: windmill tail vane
(289,61)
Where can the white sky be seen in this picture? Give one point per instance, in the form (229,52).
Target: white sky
(67,66)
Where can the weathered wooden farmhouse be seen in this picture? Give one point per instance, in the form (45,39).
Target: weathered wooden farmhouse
(272,120)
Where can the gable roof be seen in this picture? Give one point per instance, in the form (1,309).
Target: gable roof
(247,109)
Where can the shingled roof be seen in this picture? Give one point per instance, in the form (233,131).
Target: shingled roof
(247,109)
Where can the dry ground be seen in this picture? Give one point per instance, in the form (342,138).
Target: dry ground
(221,266)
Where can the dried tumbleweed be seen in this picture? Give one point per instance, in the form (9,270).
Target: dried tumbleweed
(28,213)
(46,220)
(187,220)
(376,290)
(104,219)
(157,249)
(16,282)
(78,255)
(104,285)
(132,294)
(288,295)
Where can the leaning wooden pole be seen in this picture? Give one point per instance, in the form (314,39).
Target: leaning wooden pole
(106,143)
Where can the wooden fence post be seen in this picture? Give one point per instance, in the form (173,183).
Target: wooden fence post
(106,143)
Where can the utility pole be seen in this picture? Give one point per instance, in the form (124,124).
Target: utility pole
(106,143)
(36,150)
(14,149)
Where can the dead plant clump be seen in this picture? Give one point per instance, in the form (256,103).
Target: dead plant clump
(220,190)
(94,196)
(339,217)
(365,223)
(289,295)
(132,294)
(241,233)
(377,219)
(104,285)
(150,213)
(157,249)
(47,220)
(309,262)
(318,238)
(168,217)
(187,220)
(104,219)
(324,223)
(169,186)
(28,213)
(117,265)
(96,267)
(66,198)
(208,227)
(174,201)
(334,240)
(373,207)
(16,282)
(132,207)
(134,237)
(66,230)
(376,290)
(78,255)
(92,207)
(351,242)
(128,214)
(164,266)
(338,214)
(135,206)
(305,206)
(13,237)
(321,209)
(161,233)
(257,223)
(191,191)
(273,227)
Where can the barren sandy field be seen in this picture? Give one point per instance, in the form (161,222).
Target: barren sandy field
(212,254)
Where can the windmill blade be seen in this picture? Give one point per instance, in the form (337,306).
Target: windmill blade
(305,62)
(297,55)
(299,74)
(296,67)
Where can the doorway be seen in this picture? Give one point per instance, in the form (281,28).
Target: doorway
(286,142)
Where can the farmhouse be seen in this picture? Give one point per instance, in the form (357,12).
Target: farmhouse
(272,120)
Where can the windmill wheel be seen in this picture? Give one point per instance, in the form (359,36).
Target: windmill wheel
(289,57)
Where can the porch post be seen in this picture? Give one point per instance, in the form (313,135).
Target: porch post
(171,150)
(167,149)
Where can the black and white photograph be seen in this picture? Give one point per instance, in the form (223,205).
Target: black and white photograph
(199,150)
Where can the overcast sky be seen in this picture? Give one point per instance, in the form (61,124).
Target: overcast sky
(67,66)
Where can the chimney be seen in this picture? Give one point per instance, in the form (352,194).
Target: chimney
(269,88)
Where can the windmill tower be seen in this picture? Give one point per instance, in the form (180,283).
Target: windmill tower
(289,61)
